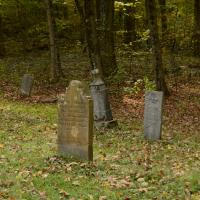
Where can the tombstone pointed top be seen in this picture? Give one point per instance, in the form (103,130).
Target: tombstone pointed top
(97,80)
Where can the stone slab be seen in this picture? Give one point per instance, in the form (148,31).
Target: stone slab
(75,123)
(26,85)
(153,115)
(102,111)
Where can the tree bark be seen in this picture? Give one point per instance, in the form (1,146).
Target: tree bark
(156,48)
(163,14)
(86,9)
(91,36)
(105,33)
(98,16)
(2,44)
(197,28)
(55,70)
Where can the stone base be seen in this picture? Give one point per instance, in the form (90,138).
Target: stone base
(83,152)
(105,124)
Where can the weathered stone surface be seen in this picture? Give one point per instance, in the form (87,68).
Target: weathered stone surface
(75,122)
(26,85)
(102,111)
(153,115)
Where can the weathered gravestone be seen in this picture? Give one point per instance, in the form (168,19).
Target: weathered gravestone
(26,85)
(153,115)
(102,111)
(75,123)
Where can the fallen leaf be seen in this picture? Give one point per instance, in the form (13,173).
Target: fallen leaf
(64,193)
(144,184)
(140,180)
(91,197)
(76,183)
(142,190)
(43,195)
(102,198)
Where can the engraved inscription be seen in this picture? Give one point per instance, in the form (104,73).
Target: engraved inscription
(75,123)
(152,98)
(153,115)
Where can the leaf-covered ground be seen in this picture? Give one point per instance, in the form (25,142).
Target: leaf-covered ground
(125,165)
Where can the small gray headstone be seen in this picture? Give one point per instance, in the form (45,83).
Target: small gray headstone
(26,85)
(102,111)
(153,115)
(75,123)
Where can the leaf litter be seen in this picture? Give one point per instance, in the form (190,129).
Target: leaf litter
(125,166)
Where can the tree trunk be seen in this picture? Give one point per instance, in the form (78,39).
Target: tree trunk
(105,18)
(80,8)
(129,23)
(98,21)
(163,19)
(2,44)
(86,9)
(56,71)
(156,48)
(91,36)
(197,28)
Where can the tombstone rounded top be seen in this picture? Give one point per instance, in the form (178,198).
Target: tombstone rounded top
(76,83)
(97,82)
(95,71)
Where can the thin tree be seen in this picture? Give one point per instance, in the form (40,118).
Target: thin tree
(105,21)
(156,47)
(87,13)
(56,70)
(163,13)
(169,46)
(2,44)
(197,27)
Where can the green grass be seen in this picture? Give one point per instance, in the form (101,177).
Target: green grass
(125,165)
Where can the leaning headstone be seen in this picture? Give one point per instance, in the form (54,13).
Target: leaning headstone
(75,123)
(26,85)
(153,115)
(102,111)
